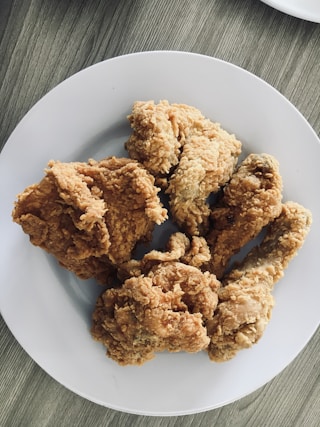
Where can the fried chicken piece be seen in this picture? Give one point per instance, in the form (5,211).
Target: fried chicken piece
(189,155)
(250,201)
(245,300)
(90,215)
(159,132)
(162,310)
(206,163)
(194,252)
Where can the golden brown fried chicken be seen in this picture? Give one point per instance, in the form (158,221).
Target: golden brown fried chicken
(245,300)
(206,164)
(188,154)
(90,215)
(250,201)
(159,132)
(162,310)
(194,252)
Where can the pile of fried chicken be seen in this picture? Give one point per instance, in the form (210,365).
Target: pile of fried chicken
(191,295)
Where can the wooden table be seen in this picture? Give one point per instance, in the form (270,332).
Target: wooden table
(42,42)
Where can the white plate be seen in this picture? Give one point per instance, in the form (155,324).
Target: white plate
(48,309)
(304,9)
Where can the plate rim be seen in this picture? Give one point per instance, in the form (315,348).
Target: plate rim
(293,11)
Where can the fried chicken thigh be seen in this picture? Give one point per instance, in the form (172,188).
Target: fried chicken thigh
(189,155)
(164,309)
(250,201)
(90,215)
(245,300)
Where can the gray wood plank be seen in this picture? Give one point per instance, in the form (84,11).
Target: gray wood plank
(44,42)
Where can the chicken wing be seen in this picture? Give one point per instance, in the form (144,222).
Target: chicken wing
(250,201)
(245,300)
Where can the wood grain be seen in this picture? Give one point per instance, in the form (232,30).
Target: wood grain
(42,42)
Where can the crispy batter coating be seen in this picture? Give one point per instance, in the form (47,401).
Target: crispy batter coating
(250,201)
(188,154)
(245,300)
(194,252)
(159,132)
(90,215)
(162,310)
